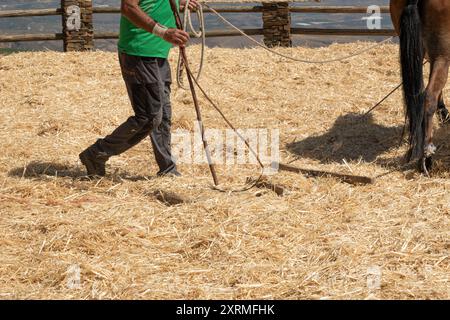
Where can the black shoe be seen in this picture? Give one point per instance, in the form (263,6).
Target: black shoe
(173,173)
(94,166)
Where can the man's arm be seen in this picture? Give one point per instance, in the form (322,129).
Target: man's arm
(131,10)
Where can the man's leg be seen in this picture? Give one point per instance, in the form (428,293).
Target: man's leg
(146,94)
(137,127)
(160,136)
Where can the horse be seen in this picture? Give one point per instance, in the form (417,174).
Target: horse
(424,30)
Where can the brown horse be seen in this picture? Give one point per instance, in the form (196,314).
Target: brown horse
(424,29)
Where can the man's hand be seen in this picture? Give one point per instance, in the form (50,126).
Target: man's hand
(131,10)
(176,37)
(193,5)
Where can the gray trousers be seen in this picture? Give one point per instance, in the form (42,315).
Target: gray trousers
(148,83)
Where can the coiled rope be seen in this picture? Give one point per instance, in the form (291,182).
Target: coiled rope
(200,34)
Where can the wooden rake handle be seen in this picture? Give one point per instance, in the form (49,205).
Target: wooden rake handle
(352,179)
(174,7)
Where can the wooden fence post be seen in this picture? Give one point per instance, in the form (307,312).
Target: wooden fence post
(78,29)
(277,24)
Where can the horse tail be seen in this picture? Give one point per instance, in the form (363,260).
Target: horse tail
(412,55)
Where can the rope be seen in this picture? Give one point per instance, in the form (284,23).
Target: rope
(388,95)
(357,53)
(217,108)
(187,22)
(384,99)
(183,65)
(187,18)
(201,33)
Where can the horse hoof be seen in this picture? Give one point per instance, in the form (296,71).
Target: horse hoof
(426,165)
(444,115)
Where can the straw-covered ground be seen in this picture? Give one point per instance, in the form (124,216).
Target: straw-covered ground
(324,239)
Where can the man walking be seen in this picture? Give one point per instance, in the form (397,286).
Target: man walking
(147,33)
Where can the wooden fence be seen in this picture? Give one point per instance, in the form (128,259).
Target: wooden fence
(78,28)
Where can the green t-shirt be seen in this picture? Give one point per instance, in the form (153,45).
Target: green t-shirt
(138,42)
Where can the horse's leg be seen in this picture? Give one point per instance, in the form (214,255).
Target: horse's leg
(444,115)
(442,111)
(438,79)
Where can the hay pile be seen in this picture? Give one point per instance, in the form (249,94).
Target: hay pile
(322,240)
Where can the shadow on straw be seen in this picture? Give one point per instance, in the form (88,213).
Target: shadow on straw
(41,170)
(352,137)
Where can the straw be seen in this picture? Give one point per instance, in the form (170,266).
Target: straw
(324,239)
